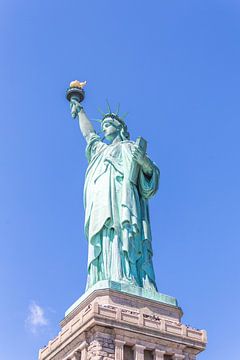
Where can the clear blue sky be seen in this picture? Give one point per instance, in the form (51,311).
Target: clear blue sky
(175,66)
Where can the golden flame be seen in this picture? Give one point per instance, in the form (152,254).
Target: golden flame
(77,84)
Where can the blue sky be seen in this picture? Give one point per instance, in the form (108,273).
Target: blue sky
(174,65)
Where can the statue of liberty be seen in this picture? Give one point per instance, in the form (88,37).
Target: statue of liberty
(120,179)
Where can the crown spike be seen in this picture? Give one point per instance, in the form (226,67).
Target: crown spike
(97,120)
(124,115)
(101,112)
(108,105)
(118,108)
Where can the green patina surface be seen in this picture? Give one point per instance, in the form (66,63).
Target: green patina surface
(117,223)
(128,289)
(119,181)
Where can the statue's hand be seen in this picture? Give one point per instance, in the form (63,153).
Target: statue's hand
(75,107)
(138,155)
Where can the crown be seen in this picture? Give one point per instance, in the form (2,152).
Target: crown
(115,116)
(112,115)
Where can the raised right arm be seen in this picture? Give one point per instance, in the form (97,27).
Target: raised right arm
(85,124)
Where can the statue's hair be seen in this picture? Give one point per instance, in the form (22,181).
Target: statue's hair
(124,133)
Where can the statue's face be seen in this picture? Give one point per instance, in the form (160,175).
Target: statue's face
(110,130)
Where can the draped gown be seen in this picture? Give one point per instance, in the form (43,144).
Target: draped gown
(117,224)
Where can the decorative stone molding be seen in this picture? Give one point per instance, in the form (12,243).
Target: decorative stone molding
(178,357)
(83,348)
(139,352)
(192,357)
(105,320)
(76,356)
(119,349)
(78,353)
(159,354)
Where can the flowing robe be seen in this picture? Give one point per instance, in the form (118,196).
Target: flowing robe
(117,222)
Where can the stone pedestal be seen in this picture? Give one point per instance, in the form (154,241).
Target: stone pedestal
(108,324)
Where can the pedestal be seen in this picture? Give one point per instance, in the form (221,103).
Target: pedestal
(107,324)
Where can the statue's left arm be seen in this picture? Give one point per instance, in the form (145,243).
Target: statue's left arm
(141,158)
(149,173)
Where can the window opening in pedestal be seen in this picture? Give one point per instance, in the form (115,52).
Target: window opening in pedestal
(167,357)
(148,355)
(128,352)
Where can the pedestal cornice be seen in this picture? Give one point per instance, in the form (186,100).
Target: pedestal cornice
(127,318)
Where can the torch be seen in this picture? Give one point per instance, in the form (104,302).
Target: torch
(76,92)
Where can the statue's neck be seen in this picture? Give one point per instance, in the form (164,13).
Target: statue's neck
(116,140)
